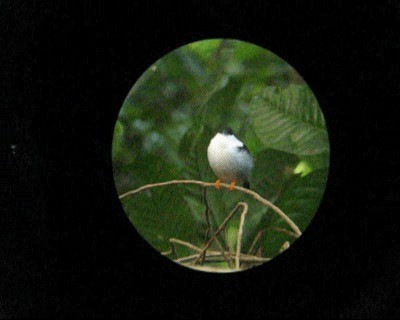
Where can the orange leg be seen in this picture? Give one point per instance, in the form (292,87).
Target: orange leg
(232,185)
(217,184)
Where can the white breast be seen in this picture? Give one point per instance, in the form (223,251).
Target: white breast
(228,162)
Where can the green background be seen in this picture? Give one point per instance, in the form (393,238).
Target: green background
(177,106)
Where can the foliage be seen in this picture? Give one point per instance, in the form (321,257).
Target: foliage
(176,107)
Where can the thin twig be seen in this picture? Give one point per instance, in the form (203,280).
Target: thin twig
(284,246)
(210,269)
(240,234)
(188,258)
(207,218)
(255,195)
(228,261)
(251,259)
(206,214)
(220,228)
(186,244)
(289,233)
(256,239)
(217,256)
(182,243)
(209,227)
(173,241)
(171,251)
(260,233)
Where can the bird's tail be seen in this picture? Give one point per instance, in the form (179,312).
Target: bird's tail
(246,185)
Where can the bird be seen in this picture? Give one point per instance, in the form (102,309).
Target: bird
(230,159)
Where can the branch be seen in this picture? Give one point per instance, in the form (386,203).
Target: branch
(186,244)
(211,256)
(217,256)
(256,239)
(240,234)
(283,231)
(255,195)
(221,227)
(182,243)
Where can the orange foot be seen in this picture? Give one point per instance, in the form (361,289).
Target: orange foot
(217,184)
(232,185)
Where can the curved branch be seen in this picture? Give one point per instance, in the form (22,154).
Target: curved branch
(255,195)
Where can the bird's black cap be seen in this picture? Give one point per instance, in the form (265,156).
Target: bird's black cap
(227,131)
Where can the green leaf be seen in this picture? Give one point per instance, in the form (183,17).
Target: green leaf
(193,152)
(117,141)
(303,168)
(290,120)
(301,200)
(272,170)
(300,203)
(161,213)
(317,161)
(204,49)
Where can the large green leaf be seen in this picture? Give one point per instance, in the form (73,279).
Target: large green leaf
(272,170)
(300,202)
(161,213)
(290,120)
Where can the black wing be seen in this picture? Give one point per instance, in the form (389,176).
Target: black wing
(246,185)
(244,148)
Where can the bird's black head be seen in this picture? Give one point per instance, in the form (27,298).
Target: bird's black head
(227,131)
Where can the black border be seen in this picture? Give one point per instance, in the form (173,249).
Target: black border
(67,247)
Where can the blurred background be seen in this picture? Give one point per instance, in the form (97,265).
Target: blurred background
(176,107)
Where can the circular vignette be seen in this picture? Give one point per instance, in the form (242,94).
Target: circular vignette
(161,166)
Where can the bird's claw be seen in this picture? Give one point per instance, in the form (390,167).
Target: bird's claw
(232,185)
(217,184)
